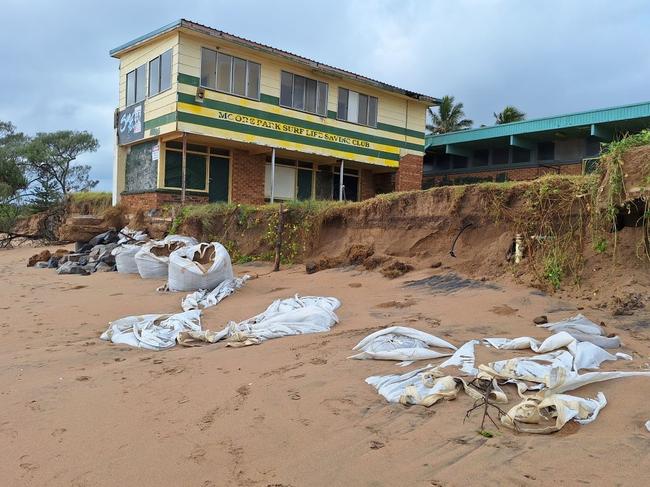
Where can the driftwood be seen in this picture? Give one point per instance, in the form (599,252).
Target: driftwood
(485,388)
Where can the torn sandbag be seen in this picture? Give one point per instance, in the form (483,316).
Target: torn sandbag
(153,257)
(584,330)
(401,343)
(586,354)
(125,258)
(428,385)
(202,299)
(463,358)
(201,266)
(549,414)
(127,235)
(284,317)
(153,332)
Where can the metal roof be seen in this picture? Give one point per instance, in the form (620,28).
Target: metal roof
(547,124)
(325,68)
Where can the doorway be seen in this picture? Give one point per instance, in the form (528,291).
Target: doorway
(219,179)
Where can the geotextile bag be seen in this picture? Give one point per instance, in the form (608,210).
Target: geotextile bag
(202,266)
(153,258)
(125,258)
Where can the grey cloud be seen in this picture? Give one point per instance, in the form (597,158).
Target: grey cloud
(546,57)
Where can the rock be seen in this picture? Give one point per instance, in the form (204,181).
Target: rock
(435,265)
(104,267)
(43,256)
(540,320)
(53,263)
(58,253)
(82,228)
(311,267)
(41,265)
(72,268)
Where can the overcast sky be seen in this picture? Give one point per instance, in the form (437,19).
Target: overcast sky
(545,57)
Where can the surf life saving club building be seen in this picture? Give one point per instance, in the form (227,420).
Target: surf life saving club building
(206,116)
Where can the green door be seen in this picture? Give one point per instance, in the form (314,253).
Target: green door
(219,172)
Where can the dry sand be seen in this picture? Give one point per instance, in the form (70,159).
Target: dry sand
(290,412)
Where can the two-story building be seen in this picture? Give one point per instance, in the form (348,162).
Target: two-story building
(208,116)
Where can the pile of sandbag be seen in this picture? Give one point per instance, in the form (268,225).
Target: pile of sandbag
(542,380)
(152,259)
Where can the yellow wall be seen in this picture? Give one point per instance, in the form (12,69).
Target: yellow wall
(165,102)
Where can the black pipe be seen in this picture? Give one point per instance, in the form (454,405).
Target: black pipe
(453,245)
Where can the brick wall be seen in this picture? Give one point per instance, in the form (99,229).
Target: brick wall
(148,201)
(519,174)
(367,184)
(409,174)
(247,177)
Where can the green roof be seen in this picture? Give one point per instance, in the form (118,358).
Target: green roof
(606,117)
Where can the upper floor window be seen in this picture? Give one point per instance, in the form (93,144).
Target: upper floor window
(136,85)
(230,74)
(357,108)
(160,73)
(304,94)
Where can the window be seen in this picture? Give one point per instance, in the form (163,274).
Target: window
(481,157)
(304,94)
(545,151)
(230,74)
(195,166)
(136,85)
(160,73)
(520,155)
(357,108)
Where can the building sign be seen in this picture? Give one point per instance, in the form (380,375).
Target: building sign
(130,124)
(155,153)
(290,129)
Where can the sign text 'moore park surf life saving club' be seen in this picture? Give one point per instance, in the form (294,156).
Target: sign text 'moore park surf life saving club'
(130,123)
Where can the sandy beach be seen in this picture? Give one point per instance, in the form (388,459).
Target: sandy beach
(289,412)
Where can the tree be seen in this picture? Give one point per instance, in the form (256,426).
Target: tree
(12,174)
(50,157)
(449,118)
(509,114)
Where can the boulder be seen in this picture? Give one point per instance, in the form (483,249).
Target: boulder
(42,256)
(72,268)
(82,228)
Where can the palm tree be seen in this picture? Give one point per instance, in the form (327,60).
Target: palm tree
(509,114)
(449,117)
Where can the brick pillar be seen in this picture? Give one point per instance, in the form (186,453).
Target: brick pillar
(247,177)
(409,174)
(367,183)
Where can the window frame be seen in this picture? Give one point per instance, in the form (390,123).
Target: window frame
(368,104)
(135,87)
(319,83)
(210,151)
(231,92)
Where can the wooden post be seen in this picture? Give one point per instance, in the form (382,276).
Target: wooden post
(273,175)
(183,168)
(278,240)
(341,186)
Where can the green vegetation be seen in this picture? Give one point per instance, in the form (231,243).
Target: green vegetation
(508,115)
(450,117)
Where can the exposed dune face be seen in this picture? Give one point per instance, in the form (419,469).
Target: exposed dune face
(294,411)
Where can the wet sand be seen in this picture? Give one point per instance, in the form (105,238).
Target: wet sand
(289,412)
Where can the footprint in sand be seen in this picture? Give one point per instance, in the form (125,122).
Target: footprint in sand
(503,310)
(83,378)
(293,395)
(376,445)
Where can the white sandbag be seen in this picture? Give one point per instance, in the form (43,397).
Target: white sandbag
(153,258)
(463,358)
(127,235)
(125,258)
(577,323)
(401,343)
(201,266)
(543,415)
(284,317)
(584,330)
(202,299)
(153,332)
